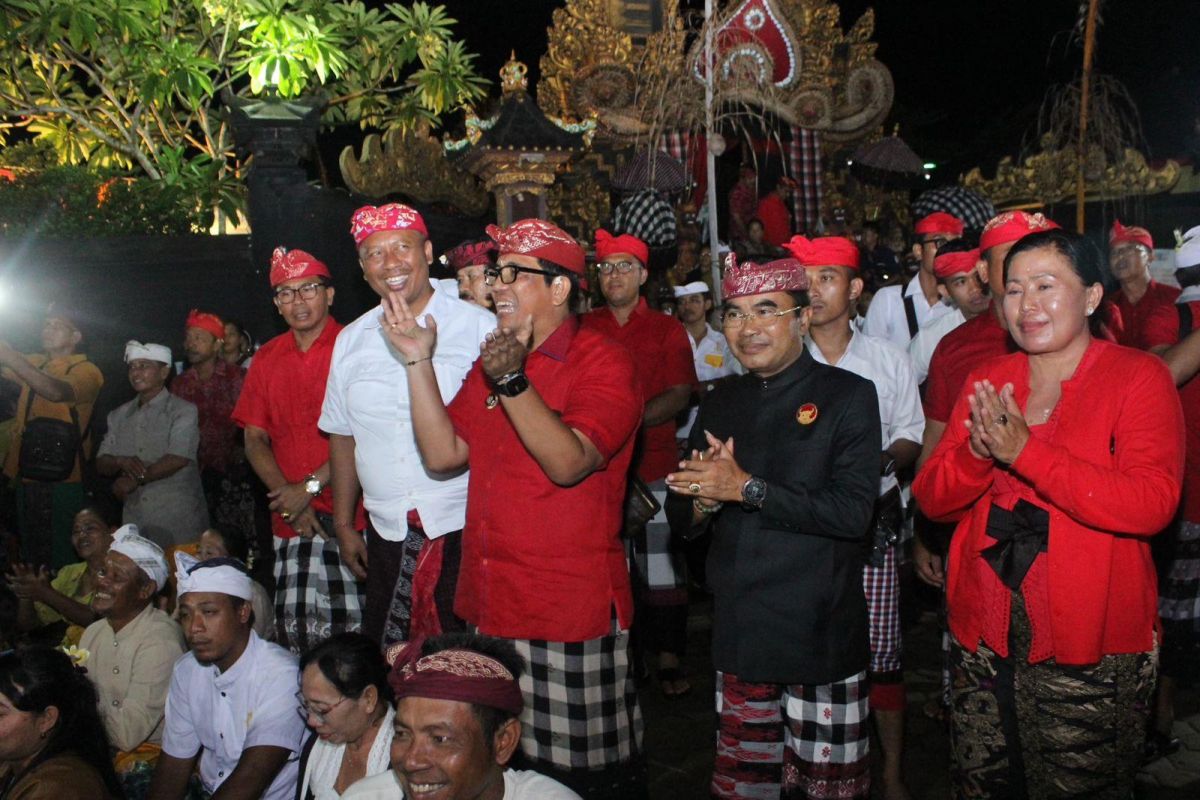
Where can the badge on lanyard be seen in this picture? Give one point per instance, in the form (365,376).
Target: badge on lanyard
(807,414)
(492,401)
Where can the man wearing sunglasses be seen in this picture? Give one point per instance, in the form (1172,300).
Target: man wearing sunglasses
(546,422)
(316,594)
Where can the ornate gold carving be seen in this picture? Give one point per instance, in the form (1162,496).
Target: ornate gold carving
(512,75)
(581,35)
(1050,177)
(577,201)
(410,163)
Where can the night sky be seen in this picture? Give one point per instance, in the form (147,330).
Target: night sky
(970,75)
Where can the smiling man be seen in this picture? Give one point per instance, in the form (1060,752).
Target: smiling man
(316,594)
(232,702)
(413,516)
(545,420)
(787,459)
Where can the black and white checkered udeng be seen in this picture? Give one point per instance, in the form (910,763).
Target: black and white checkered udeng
(648,217)
(316,595)
(971,207)
(581,708)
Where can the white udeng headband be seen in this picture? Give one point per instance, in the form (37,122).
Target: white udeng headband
(222,578)
(695,287)
(141,551)
(151,352)
(1188,253)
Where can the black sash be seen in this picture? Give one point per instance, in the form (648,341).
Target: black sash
(1020,535)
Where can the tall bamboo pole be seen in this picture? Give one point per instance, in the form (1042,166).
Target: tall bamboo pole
(710,159)
(1085,95)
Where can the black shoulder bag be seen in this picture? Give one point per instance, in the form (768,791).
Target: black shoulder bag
(49,446)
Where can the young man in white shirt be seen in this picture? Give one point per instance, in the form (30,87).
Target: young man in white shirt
(832,264)
(413,517)
(962,281)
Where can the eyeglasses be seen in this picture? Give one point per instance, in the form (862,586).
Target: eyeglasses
(936,241)
(306,711)
(307,292)
(507,273)
(734,319)
(607,267)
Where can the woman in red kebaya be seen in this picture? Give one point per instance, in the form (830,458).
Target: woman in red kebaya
(1059,463)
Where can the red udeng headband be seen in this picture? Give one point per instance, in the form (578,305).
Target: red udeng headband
(462,675)
(824,251)
(206,322)
(607,245)
(781,275)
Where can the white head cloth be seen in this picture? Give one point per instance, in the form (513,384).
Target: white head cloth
(150,352)
(141,551)
(695,287)
(1188,252)
(224,578)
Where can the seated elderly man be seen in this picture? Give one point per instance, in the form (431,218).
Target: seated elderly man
(130,652)
(232,702)
(462,689)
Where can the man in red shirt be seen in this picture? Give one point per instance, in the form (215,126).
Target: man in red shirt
(546,421)
(1147,317)
(316,595)
(662,354)
(774,213)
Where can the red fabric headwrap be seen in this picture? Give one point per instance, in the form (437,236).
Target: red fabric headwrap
(287,265)
(390,217)
(607,244)
(955,263)
(939,222)
(462,675)
(1011,226)
(782,275)
(206,322)
(824,251)
(1120,234)
(541,239)
(470,254)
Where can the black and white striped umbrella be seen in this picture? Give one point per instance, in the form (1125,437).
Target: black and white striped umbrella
(971,207)
(663,173)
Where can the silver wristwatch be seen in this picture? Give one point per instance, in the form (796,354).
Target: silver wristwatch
(312,485)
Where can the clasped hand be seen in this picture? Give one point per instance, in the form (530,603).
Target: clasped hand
(504,350)
(714,471)
(998,428)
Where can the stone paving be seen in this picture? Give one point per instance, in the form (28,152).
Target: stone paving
(680,731)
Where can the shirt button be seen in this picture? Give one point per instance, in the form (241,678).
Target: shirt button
(116,670)
(221,774)
(116,703)
(223,694)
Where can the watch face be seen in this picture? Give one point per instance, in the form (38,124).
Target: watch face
(754,491)
(312,486)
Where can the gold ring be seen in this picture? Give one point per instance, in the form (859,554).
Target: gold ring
(694,488)
(285,516)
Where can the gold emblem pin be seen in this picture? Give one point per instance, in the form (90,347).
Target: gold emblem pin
(807,414)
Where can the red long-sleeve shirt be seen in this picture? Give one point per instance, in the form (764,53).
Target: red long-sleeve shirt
(1108,466)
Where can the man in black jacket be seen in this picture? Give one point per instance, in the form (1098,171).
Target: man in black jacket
(786,460)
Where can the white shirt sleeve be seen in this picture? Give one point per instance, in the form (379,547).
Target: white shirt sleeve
(333,411)
(885,316)
(179,739)
(908,418)
(276,722)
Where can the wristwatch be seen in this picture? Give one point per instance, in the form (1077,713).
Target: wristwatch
(312,485)
(512,384)
(889,468)
(754,492)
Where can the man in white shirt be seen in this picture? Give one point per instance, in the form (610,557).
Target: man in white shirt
(962,281)
(897,314)
(462,689)
(232,702)
(710,352)
(412,516)
(832,264)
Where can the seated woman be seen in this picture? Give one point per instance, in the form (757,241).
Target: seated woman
(215,544)
(55,611)
(1059,462)
(130,653)
(53,745)
(345,698)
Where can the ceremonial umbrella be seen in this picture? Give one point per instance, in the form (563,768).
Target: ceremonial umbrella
(971,207)
(655,170)
(889,154)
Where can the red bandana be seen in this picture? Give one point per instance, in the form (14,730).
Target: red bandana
(783,275)
(462,675)
(470,254)
(955,263)
(390,217)
(288,265)
(607,245)
(1120,235)
(939,222)
(1011,226)
(824,251)
(206,322)
(540,239)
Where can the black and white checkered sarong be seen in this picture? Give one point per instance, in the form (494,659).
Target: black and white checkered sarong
(316,595)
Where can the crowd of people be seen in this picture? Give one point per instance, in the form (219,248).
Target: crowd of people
(483,494)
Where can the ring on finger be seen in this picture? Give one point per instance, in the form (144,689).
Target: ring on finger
(285,516)
(694,488)
(1002,419)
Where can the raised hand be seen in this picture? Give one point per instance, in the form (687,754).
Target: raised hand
(410,339)
(504,350)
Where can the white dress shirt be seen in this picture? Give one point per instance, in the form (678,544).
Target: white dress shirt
(886,318)
(220,715)
(367,398)
(888,367)
(713,360)
(920,349)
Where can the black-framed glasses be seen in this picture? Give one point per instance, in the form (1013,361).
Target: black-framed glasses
(507,273)
(305,710)
(607,267)
(732,318)
(306,291)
